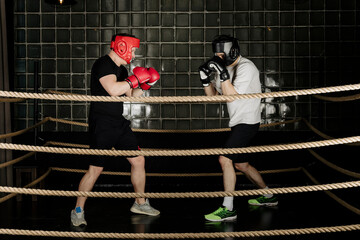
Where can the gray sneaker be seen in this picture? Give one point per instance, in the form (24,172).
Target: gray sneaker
(145,209)
(78,219)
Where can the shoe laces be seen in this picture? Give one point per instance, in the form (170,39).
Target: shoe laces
(264,199)
(80,214)
(219,210)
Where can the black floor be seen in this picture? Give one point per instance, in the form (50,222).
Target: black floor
(300,210)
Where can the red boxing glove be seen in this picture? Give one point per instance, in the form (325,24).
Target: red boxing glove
(153,79)
(141,75)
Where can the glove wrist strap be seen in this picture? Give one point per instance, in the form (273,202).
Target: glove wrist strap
(133,81)
(224,76)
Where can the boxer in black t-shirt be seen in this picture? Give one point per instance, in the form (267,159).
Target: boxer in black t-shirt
(107,127)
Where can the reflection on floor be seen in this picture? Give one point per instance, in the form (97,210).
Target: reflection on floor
(298,210)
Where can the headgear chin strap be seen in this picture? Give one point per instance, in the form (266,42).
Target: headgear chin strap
(227,45)
(122,46)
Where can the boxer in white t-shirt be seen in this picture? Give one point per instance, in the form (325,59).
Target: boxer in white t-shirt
(235,74)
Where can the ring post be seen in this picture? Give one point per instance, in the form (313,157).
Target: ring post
(36,102)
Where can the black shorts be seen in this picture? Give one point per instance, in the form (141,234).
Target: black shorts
(108,133)
(241,136)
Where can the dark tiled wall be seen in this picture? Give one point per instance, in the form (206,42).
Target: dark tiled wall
(295,45)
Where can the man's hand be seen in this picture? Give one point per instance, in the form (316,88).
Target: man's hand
(141,75)
(205,72)
(218,65)
(154,77)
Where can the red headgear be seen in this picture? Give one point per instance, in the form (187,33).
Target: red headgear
(122,46)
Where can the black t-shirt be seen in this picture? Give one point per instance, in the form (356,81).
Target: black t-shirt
(102,67)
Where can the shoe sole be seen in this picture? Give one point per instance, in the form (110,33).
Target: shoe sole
(78,225)
(134,210)
(222,220)
(264,204)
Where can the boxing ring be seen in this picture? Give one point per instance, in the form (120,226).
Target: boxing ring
(54,147)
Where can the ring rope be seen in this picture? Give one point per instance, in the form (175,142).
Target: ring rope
(332,195)
(315,130)
(260,233)
(198,152)
(327,98)
(323,135)
(36,181)
(76,145)
(16,160)
(333,166)
(68,122)
(136,129)
(172,99)
(207,130)
(19,159)
(57,92)
(339,99)
(311,127)
(342,170)
(317,156)
(2,136)
(25,156)
(9,196)
(173,174)
(176,130)
(241,193)
(11,100)
(54,143)
(169,130)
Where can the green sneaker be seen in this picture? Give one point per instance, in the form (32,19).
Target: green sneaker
(222,214)
(263,201)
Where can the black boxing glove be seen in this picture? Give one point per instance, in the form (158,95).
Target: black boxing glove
(204,72)
(218,65)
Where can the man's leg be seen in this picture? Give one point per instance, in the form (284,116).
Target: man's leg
(229,176)
(229,180)
(86,184)
(251,173)
(254,176)
(138,179)
(225,213)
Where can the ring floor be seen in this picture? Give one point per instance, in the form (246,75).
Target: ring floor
(297,210)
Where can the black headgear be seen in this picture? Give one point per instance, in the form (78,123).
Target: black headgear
(227,45)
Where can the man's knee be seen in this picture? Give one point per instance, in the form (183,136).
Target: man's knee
(137,162)
(242,167)
(95,170)
(224,161)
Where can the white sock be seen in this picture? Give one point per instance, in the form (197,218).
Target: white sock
(228,203)
(269,195)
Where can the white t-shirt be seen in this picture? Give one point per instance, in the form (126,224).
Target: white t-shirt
(244,76)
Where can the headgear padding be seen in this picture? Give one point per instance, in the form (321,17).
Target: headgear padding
(122,45)
(227,45)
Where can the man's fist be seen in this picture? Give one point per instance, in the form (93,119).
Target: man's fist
(154,77)
(141,75)
(217,64)
(204,72)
